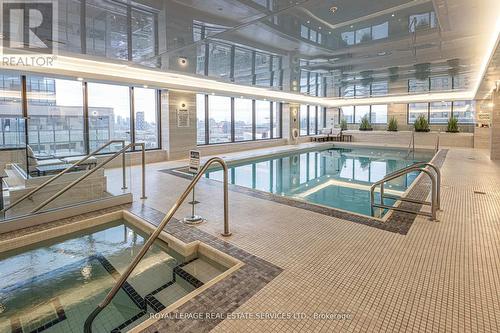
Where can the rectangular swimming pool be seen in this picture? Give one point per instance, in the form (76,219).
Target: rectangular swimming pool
(339,178)
(54,285)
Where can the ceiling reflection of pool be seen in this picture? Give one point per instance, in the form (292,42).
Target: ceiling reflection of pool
(335,177)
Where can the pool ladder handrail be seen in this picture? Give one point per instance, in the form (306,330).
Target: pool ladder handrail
(435,202)
(68,169)
(100,165)
(411,145)
(87,328)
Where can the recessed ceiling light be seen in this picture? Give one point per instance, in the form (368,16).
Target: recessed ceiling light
(308,21)
(213,94)
(393,15)
(329,32)
(80,79)
(145,86)
(333,9)
(319,28)
(352,26)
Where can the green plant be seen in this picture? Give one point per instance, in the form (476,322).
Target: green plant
(452,125)
(393,125)
(365,124)
(343,124)
(421,124)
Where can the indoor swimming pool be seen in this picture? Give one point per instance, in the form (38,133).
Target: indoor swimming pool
(338,178)
(52,286)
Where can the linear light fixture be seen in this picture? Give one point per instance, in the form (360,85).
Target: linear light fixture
(490,51)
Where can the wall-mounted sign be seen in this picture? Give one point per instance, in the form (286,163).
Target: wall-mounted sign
(484,117)
(182,117)
(194,161)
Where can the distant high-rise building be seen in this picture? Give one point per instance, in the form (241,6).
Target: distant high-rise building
(140,123)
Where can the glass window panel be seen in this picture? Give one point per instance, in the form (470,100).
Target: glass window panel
(219,114)
(304,31)
(379,114)
(313,88)
(312,120)
(441,83)
(363,35)
(380,88)
(69,25)
(348,114)
(361,111)
(313,35)
(200,59)
(348,37)
(380,31)
(242,66)
(349,91)
(463,111)
(219,60)
(321,118)
(106,24)
(276,120)
(461,81)
(143,35)
(243,123)
(415,85)
(419,21)
(415,110)
(304,81)
(109,114)
(146,122)
(200,119)
(11,120)
(262,120)
(440,112)
(362,90)
(262,69)
(55,108)
(303,119)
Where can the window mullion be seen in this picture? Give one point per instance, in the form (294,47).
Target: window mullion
(132,116)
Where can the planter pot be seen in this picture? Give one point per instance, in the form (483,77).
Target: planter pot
(423,131)
(367,129)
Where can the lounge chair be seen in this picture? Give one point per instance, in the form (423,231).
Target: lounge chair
(53,164)
(336,135)
(323,136)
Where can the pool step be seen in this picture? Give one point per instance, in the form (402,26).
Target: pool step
(182,283)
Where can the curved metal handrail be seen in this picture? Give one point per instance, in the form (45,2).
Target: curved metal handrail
(38,188)
(435,181)
(109,297)
(100,165)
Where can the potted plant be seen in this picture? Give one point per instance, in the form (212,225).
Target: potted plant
(421,124)
(393,125)
(343,124)
(452,126)
(365,124)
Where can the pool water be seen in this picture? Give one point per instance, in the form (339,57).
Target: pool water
(336,177)
(53,286)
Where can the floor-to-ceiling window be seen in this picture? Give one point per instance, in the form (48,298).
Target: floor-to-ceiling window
(146,116)
(219,115)
(56,117)
(200,119)
(236,119)
(11,115)
(312,119)
(109,113)
(376,114)
(243,119)
(262,120)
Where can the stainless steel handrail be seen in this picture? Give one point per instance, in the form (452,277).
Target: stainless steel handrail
(100,165)
(109,297)
(435,190)
(38,188)
(411,145)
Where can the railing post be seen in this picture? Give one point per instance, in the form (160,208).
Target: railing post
(124,184)
(143,161)
(226,232)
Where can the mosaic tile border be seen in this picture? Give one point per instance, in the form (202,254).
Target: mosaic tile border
(223,297)
(398,222)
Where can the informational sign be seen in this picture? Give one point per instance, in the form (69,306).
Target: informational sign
(182,117)
(484,117)
(194,161)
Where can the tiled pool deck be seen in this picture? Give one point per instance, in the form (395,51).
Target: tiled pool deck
(438,277)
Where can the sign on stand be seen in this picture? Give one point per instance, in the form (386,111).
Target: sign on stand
(194,167)
(194,161)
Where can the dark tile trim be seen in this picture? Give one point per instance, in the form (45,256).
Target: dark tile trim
(398,222)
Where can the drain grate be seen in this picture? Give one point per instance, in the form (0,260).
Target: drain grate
(479,192)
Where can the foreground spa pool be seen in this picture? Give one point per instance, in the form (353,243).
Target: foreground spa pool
(334,177)
(53,285)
